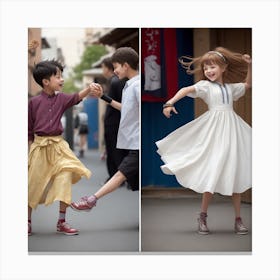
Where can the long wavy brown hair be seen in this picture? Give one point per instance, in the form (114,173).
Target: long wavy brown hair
(236,67)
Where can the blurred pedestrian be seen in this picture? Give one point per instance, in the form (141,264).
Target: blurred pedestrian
(114,156)
(52,166)
(81,124)
(125,61)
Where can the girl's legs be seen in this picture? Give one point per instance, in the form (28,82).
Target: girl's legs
(236,199)
(202,224)
(206,197)
(239,227)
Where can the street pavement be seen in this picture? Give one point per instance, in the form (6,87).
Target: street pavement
(169,225)
(111,227)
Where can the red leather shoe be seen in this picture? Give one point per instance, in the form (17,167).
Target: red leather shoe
(63,227)
(84,204)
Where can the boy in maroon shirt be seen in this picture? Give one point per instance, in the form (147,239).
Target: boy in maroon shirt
(52,166)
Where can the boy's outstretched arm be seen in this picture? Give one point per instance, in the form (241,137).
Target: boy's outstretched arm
(115,104)
(83,93)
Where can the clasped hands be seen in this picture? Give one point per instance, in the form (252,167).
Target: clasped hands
(96,90)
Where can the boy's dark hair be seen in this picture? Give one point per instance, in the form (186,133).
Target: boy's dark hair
(45,69)
(108,63)
(128,55)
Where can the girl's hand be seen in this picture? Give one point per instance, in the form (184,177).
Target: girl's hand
(167,111)
(247,58)
(248,81)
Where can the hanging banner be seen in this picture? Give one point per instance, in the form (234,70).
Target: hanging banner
(159,64)
(151,59)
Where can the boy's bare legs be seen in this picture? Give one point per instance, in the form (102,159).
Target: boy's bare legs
(111,185)
(29,213)
(29,220)
(86,203)
(62,211)
(62,226)
(62,206)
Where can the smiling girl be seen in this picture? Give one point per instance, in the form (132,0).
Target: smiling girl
(212,154)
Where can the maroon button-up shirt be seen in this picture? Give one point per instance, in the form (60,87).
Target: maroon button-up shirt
(45,112)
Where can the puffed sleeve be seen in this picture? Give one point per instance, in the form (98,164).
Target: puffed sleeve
(238,90)
(201,90)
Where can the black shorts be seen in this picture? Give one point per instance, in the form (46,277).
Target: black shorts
(130,168)
(83,129)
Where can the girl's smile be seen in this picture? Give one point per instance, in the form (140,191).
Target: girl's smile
(213,72)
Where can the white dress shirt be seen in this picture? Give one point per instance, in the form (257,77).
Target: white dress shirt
(128,134)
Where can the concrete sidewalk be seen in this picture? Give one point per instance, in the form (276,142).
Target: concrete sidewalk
(170,225)
(112,226)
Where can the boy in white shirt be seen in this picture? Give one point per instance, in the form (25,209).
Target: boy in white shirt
(125,61)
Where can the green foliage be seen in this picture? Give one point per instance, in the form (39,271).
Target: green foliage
(69,86)
(90,55)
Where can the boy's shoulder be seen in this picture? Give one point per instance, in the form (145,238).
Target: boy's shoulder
(35,98)
(135,81)
(41,96)
(135,85)
(132,86)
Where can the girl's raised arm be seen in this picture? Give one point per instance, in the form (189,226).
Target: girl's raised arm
(248,82)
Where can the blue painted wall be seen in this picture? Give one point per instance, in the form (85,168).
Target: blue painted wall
(156,126)
(91,108)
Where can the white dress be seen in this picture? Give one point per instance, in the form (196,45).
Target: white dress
(213,152)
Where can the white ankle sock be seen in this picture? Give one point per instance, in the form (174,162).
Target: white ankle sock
(62,215)
(92,198)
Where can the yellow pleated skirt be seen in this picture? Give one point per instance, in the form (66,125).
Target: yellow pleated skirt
(52,169)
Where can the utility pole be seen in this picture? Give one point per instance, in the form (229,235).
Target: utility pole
(69,127)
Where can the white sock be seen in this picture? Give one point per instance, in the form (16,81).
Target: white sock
(62,215)
(92,198)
